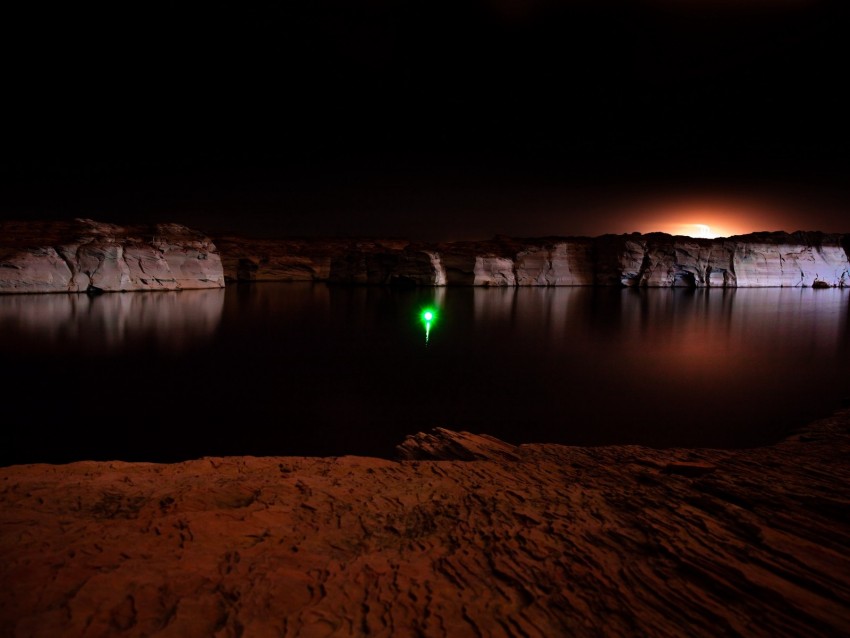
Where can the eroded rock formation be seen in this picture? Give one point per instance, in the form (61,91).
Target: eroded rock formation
(85,255)
(652,260)
(530,540)
(70,257)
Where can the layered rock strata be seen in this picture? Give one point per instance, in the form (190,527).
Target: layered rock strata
(374,262)
(88,256)
(531,540)
(652,260)
(72,257)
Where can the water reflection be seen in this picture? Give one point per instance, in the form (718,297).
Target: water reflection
(111,323)
(676,321)
(673,367)
(277,369)
(551,315)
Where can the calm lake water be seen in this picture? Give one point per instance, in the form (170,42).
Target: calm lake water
(292,369)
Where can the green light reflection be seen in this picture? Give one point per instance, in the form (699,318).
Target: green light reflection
(428,316)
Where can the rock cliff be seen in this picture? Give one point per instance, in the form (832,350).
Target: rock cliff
(651,260)
(467,536)
(85,255)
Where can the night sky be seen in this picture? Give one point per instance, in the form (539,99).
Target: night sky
(429,120)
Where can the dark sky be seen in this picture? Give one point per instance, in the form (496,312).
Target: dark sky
(429,120)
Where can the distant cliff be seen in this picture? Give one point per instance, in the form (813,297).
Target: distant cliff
(85,255)
(88,256)
(653,260)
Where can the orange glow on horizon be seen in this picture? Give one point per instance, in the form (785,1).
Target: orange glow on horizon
(693,230)
(701,231)
(707,218)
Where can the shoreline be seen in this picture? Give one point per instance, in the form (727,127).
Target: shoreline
(449,452)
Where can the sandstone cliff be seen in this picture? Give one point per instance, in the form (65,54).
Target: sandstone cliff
(85,255)
(652,260)
(467,536)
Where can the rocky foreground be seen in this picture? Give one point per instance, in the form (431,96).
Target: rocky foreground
(86,255)
(466,536)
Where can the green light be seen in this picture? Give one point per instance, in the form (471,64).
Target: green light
(428,316)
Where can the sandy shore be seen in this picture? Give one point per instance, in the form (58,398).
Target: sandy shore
(536,540)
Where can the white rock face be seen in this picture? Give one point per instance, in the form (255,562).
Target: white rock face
(632,262)
(651,260)
(493,271)
(748,261)
(439,269)
(762,264)
(678,263)
(85,255)
(36,270)
(564,264)
(74,257)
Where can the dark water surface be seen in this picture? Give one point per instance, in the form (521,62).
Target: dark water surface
(292,369)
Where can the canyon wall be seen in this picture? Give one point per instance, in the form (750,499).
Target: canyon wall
(653,260)
(88,256)
(84,255)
